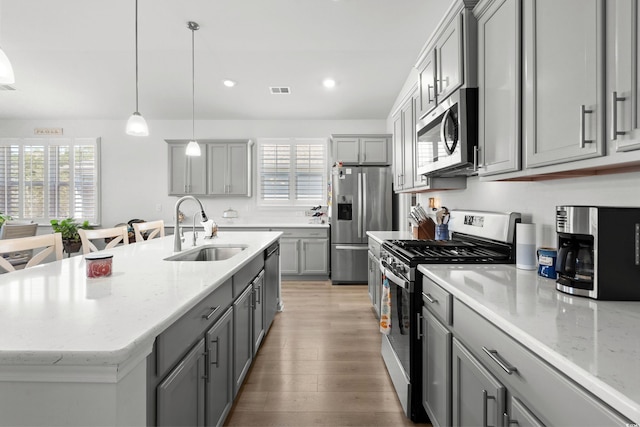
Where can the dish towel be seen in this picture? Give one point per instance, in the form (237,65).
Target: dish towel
(385,307)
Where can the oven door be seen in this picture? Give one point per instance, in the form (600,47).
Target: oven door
(400,334)
(396,346)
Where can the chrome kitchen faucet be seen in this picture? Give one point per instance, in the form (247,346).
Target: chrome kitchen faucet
(177,243)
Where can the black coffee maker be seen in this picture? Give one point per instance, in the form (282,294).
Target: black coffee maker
(598,252)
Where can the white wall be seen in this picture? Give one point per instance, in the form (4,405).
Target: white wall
(536,200)
(134,170)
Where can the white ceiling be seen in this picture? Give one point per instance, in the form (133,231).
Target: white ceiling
(75,59)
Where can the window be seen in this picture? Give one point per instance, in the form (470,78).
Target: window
(43,179)
(292,171)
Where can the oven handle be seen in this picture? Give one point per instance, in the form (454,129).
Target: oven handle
(399,281)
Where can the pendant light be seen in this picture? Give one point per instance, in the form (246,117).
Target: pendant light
(193,149)
(137,125)
(6,70)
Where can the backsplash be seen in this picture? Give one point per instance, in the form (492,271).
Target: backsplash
(536,200)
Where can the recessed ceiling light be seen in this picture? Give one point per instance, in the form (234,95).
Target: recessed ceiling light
(329,83)
(228,83)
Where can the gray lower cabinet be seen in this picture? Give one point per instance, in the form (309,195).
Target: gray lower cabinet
(258,311)
(220,364)
(478,398)
(242,337)
(181,396)
(305,252)
(520,415)
(491,360)
(436,370)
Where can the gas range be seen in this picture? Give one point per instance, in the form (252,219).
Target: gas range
(477,238)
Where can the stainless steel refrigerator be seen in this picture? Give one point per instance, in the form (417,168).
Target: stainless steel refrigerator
(360,202)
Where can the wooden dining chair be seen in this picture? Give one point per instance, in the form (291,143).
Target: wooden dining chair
(116,235)
(49,243)
(15,230)
(153,229)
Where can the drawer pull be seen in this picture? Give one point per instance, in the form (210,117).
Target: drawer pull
(506,366)
(430,299)
(210,315)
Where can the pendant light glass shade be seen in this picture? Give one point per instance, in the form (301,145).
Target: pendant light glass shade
(193,149)
(6,70)
(137,125)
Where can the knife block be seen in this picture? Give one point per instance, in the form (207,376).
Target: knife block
(424,230)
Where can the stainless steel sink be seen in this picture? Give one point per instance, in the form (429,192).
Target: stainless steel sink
(207,253)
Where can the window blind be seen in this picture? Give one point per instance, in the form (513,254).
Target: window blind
(292,171)
(44,179)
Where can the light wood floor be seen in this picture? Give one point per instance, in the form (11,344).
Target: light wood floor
(320,364)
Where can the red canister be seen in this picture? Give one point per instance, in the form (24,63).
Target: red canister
(98,265)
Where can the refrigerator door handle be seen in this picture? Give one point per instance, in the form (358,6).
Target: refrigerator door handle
(363,212)
(359,205)
(351,248)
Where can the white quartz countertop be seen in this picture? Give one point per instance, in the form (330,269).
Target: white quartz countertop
(595,343)
(52,314)
(381,236)
(242,224)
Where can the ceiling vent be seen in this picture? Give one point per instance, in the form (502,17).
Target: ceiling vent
(280,90)
(7,87)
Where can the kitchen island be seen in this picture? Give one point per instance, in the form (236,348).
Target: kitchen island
(589,349)
(73,351)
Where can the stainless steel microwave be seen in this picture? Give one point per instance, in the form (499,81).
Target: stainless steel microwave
(447,136)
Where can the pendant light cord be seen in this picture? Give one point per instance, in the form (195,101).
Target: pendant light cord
(193,85)
(136,56)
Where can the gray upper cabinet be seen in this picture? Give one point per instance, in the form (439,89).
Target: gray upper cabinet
(361,149)
(427,82)
(229,168)
(404,136)
(499,82)
(622,62)
(187,174)
(448,60)
(564,104)
(223,169)
(448,49)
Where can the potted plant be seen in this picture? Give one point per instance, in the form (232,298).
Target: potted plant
(68,228)
(4,217)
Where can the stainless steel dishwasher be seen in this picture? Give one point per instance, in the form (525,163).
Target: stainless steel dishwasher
(272,298)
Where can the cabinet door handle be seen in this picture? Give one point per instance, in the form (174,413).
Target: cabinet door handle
(495,356)
(583,113)
(419,325)
(476,158)
(429,89)
(258,294)
(210,315)
(614,115)
(217,355)
(430,299)
(485,408)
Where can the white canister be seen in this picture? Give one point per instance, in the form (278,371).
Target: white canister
(526,246)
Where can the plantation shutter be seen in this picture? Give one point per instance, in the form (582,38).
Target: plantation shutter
(275,162)
(310,167)
(292,171)
(43,179)
(10,180)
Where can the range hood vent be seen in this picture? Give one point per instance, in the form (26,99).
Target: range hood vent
(280,90)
